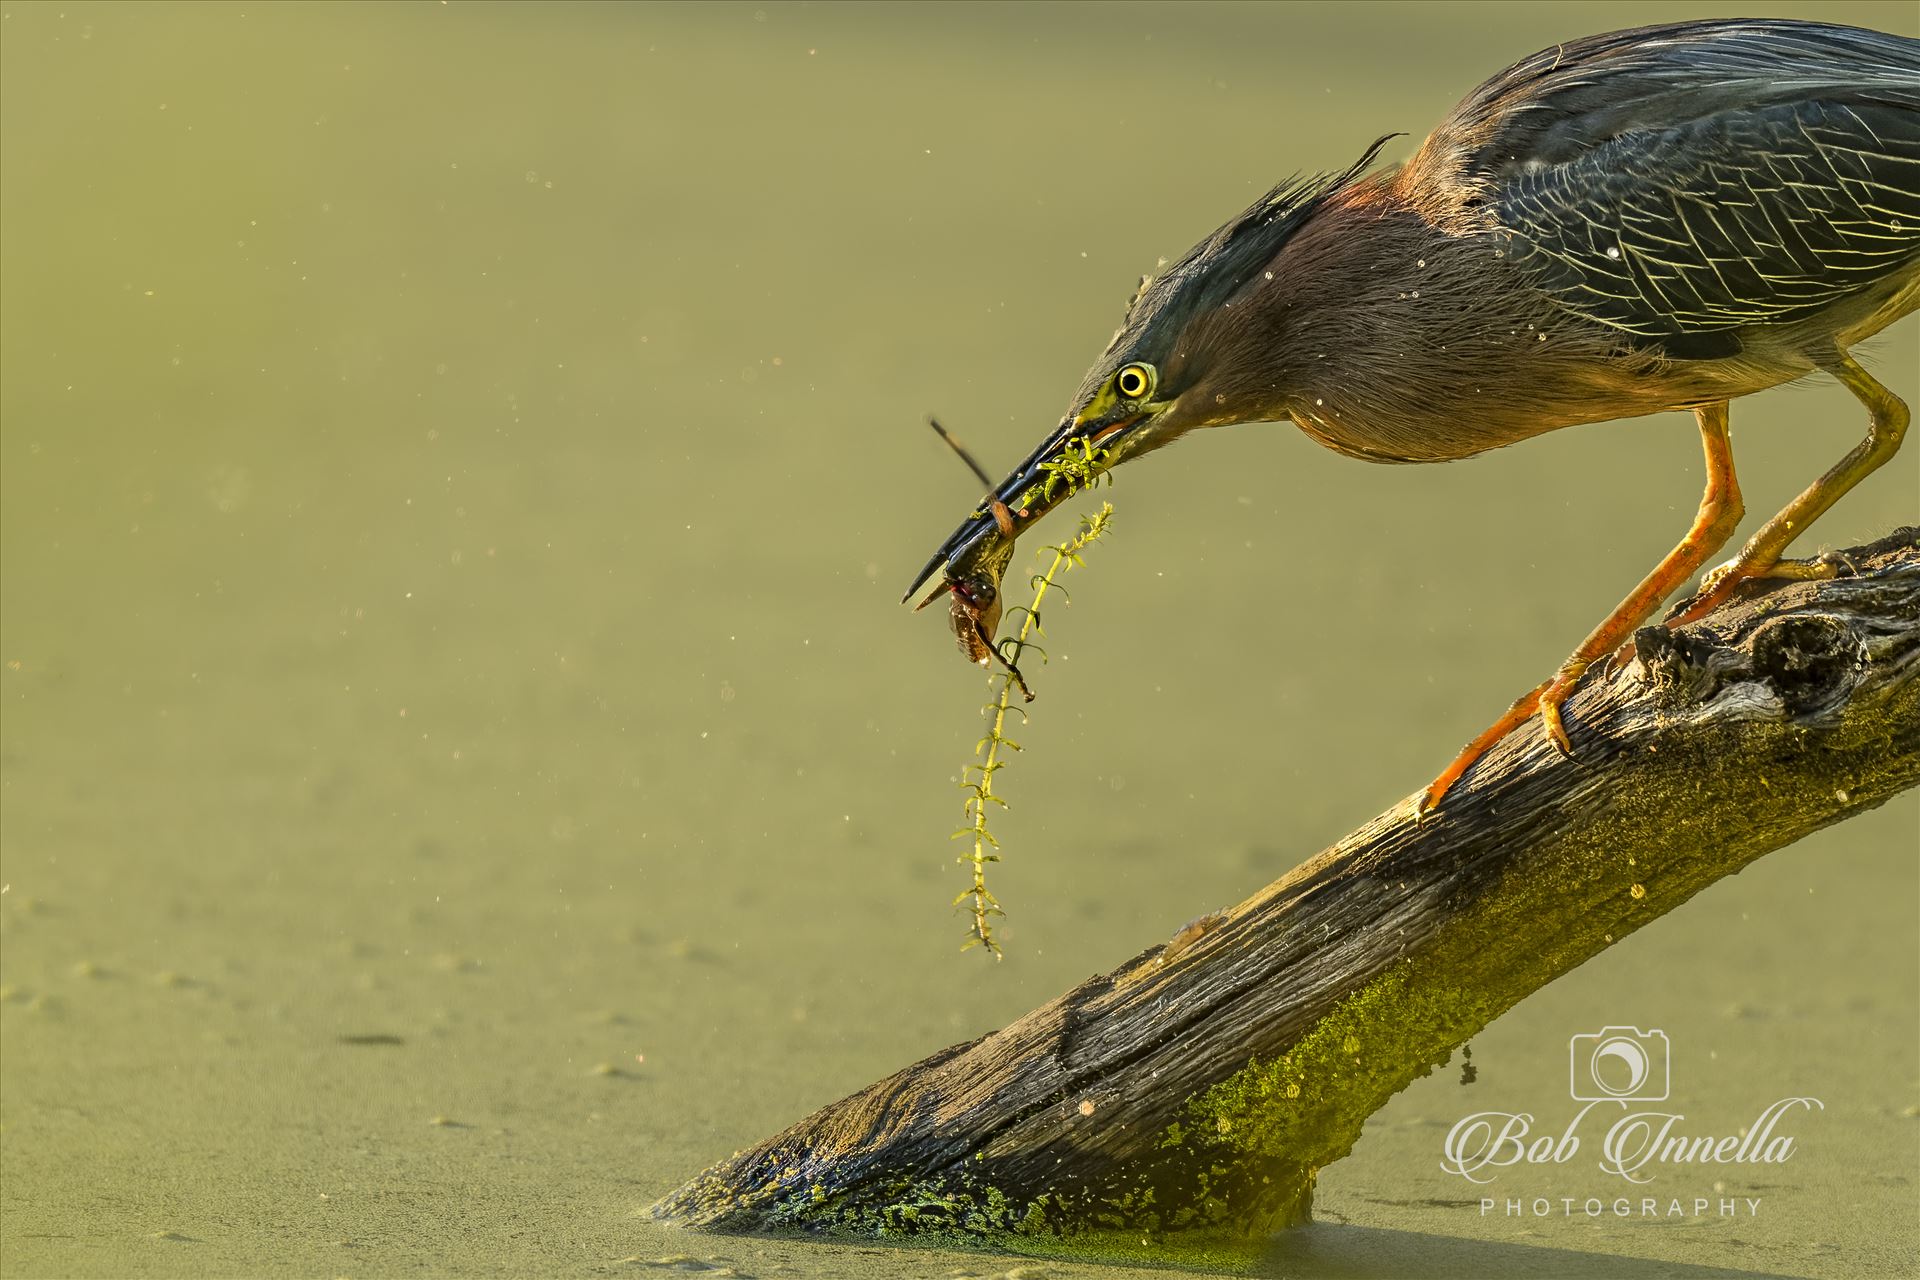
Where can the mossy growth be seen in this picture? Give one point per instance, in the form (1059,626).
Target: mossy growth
(1488,909)
(1270,1128)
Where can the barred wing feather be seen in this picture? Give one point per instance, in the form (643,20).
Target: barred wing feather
(1744,217)
(1697,177)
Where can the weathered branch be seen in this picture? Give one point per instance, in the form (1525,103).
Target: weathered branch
(1199,1088)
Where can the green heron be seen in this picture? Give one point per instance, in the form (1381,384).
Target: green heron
(1662,218)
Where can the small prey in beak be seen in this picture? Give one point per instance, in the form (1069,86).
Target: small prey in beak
(1071,458)
(974,557)
(973,606)
(1105,428)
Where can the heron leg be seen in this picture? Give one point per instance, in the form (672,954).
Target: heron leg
(1761,556)
(1713,524)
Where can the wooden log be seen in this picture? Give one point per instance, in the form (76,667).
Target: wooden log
(1195,1092)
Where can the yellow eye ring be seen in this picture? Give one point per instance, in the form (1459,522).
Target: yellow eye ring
(1135,382)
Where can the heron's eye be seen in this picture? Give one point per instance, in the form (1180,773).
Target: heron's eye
(1135,382)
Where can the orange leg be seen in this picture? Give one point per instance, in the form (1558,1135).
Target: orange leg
(1713,524)
(1761,556)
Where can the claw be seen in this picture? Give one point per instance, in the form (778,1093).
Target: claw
(1820,568)
(1558,690)
(1556,731)
(1719,583)
(1522,708)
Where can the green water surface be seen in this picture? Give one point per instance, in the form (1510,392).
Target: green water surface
(465,767)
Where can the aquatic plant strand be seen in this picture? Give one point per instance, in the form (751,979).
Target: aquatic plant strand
(977,778)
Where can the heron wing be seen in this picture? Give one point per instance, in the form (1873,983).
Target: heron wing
(1691,179)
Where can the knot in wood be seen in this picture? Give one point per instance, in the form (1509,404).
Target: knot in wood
(1811,660)
(1680,666)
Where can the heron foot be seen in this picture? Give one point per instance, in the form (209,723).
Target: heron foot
(1557,692)
(1546,699)
(1718,584)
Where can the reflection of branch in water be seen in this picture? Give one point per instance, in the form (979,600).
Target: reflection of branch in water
(989,762)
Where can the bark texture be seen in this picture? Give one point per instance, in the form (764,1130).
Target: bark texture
(1196,1091)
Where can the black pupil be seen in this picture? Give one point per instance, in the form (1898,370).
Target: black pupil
(1132,382)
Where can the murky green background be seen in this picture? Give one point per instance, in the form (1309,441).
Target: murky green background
(460,465)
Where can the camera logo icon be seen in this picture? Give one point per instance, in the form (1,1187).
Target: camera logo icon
(1619,1064)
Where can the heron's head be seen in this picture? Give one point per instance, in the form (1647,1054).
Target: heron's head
(1196,349)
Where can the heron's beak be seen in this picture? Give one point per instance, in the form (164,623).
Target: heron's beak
(984,541)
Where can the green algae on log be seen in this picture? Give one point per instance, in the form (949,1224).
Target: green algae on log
(1189,1098)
